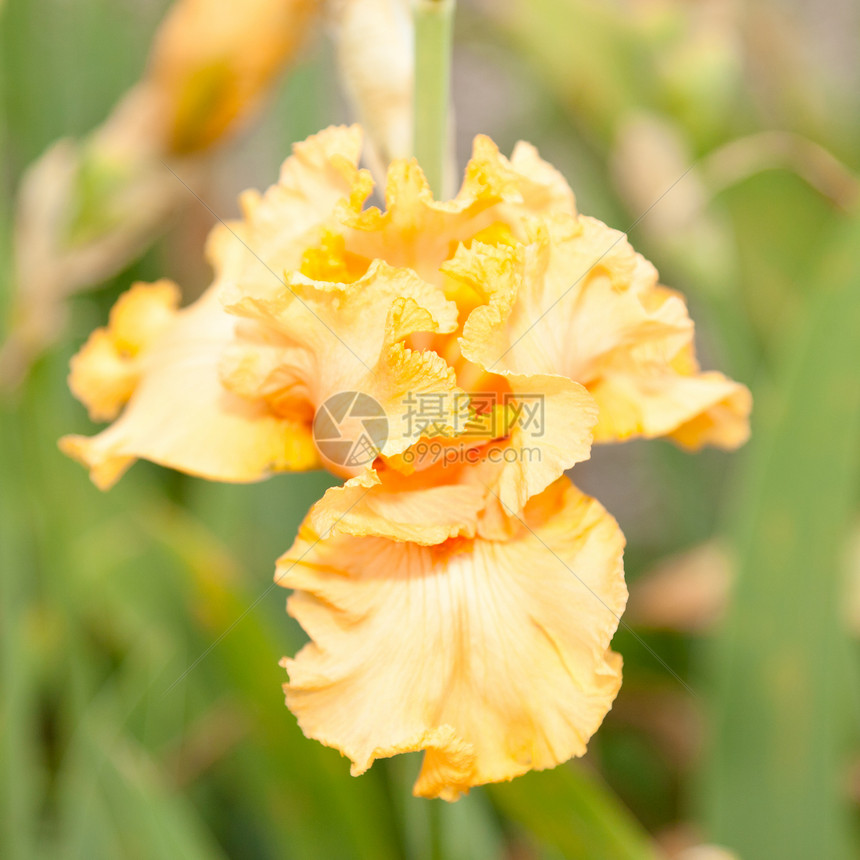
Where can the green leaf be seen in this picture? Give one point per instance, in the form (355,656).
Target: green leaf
(774,779)
(19,758)
(572,812)
(116,802)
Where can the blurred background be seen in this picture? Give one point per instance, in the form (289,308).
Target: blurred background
(142,714)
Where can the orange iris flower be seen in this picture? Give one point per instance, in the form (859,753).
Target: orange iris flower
(460,593)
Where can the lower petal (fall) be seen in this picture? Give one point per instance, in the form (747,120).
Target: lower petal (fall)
(491,656)
(181,416)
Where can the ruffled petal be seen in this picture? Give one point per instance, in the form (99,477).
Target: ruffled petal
(105,372)
(547,191)
(551,434)
(425,507)
(317,182)
(318,340)
(577,301)
(661,405)
(417,231)
(564,303)
(492,656)
(181,416)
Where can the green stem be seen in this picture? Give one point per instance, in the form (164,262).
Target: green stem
(434,823)
(434,21)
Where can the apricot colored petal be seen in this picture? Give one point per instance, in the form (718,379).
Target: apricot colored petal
(319,339)
(552,433)
(420,232)
(425,507)
(278,226)
(492,657)
(544,188)
(579,302)
(101,378)
(565,303)
(105,371)
(525,183)
(142,313)
(181,416)
(401,376)
(346,326)
(694,410)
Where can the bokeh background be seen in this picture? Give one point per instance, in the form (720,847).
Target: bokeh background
(141,713)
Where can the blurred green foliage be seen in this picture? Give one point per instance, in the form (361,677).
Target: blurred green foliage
(141,710)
